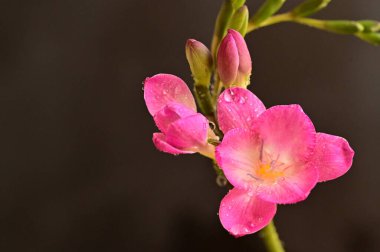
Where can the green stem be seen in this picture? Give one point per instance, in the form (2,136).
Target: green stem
(204,99)
(271,239)
(285,17)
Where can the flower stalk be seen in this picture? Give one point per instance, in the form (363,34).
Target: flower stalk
(271,239)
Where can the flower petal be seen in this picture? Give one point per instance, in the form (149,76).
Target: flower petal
(294,185)
(245,62)
(287,131)
(242,214)
(189,133)
(162,89)
(241,156)
(288,138)
(228,60)
(237,156)
(333,156)
(238,108)
(171,113)
(161,144)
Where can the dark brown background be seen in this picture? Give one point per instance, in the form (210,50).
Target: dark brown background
(78,170)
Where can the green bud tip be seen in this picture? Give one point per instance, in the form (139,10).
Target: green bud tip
(309,7)
(267,9)
(239,20)
(343,26)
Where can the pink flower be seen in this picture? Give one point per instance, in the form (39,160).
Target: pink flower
(173,108)
(234,61)
(271,157)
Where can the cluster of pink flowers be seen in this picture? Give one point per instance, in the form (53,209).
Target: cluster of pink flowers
(270,156)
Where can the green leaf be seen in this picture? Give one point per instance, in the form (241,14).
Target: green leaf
(267,9)
(309,7)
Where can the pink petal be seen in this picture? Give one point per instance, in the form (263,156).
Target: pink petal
(287,131)
(294,185)
(241,155)
(245,62)
(288,138)
(238,108)
(160,142)
(189,133)
(333,156)
(171,113)
(237,156)
(228,60)
(162,89)
(242,214)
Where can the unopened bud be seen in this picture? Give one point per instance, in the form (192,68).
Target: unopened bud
(372,38)
(239,20)
(343,26)
(234,61)
(200,61)
(236,4)
(370,25)
(267,9)
(309,7)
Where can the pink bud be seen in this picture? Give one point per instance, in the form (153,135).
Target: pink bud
(234,62)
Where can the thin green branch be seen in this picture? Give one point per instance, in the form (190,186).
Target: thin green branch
(271,239)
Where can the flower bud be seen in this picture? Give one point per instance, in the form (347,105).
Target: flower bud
(370,25)
(225,13)
(309,7)
(239,21)
(372,38)
(343,26)
(267,9)
(233,61)
(200,61)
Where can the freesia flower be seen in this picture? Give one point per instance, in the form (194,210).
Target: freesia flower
(173,108)
(271,157)
(233,60)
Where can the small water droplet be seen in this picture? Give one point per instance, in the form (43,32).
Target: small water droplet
(241,100)
(227,97)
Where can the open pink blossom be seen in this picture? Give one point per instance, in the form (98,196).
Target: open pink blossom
(173,108)
(271,157)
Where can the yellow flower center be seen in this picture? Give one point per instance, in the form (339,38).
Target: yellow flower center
(265,172)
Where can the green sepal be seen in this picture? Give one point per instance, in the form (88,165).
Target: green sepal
(267,9)
(309,7)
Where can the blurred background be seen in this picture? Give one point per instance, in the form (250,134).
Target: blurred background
(78,169)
